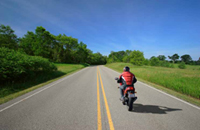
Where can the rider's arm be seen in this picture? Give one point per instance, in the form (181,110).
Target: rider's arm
(134,80)
(120,80)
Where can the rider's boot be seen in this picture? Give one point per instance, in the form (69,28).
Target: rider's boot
(122,99)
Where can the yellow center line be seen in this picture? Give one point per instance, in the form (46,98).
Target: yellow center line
(106,104)
(98,105)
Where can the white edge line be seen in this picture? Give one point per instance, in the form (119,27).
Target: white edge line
(170,95)
(163,92)
(39,91)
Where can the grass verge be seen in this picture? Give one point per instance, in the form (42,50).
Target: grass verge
(159,77)
(12,90)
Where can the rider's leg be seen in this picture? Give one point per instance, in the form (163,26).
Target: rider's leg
(122,87)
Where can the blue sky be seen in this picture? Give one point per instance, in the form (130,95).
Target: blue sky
(155,27)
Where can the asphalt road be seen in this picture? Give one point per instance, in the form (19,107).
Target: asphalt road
(89,100)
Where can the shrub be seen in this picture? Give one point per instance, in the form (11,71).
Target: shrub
(182,65)
(171,65)
(164,64)
(15,65)
(137,57)
(146,62)
(154,61)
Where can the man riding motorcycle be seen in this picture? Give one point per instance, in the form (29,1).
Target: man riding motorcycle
(126,79)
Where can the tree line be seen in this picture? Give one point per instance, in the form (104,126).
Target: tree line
(66,49)
(137,58)
(60,48)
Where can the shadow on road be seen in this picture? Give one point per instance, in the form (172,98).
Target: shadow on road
(139,108)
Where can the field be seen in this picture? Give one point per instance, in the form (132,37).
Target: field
(186,81)
(11,90)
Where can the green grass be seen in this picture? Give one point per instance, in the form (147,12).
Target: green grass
(189,67)
(185,81)
(9,91)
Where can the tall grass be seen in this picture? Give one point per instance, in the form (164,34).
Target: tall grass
(186,81)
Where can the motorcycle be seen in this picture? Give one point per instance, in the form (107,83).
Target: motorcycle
(129,96)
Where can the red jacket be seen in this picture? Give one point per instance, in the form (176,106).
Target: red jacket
(127,78)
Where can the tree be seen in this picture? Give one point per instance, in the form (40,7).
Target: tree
(186,58)
(68,48)
(82,53)
(43,43)
(174,57)
(27,43)
(146,62)
(113,57)
(126,59)
(7,37)
(137,57)
(161,57)
(40,43)
(128,52)
(120,55)
(97,59)
(59,48)
(154,61)
(198,62)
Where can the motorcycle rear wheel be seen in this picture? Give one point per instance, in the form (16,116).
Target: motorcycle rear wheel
(130,104)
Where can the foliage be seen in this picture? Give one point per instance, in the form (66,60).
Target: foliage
(171,66)
(67,48)
(154,61)
(198,62)
(126,59)
(40,43)
(186,58)
(7,37)
(60,48)
(97,59)
(174,57)
(164,64)
(82,53)
(15,65)
(161,57)
(116,56)
(120,56)
(137,57)
(182,65)
(146,62)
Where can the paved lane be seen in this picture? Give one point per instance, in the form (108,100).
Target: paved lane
(72,103)
(152,110)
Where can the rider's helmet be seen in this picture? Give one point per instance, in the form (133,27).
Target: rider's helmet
(126,68)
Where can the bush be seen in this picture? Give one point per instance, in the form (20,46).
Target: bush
(164,64)
(15,65)
(137,58)
(171,65)
(154,61)
(146,62)
(182,65)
